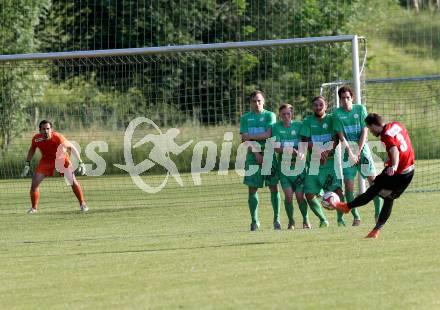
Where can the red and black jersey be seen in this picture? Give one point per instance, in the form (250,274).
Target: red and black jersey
(395,134)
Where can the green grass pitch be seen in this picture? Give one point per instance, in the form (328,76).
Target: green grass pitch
(190,248)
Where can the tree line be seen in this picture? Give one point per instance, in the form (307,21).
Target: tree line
(60,25)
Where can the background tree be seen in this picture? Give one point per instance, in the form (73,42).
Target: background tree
(18,22)
(89,25)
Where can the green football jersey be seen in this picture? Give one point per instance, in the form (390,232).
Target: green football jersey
(288,137)
(350,123)
(255,123)
(318,131)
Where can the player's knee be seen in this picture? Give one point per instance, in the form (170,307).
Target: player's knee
(253,190)
(34,187)
(300,200)
(349,186)
(273,188)
(34,190)
(339,192)
(310,197)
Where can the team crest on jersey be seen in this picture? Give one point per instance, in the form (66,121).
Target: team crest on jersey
(39,139)
(325,126)
(356,115)
(261,118)
(293,132)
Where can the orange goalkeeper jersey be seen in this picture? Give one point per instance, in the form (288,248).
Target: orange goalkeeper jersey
(49,147)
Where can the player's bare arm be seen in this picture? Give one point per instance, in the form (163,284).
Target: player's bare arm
(27,164)
(352,157)
(30,154)
(394,157)
(254,148)
(67,146)
(362,140)
(325,154)
(307,141)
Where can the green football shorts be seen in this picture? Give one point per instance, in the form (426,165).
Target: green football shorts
(326,180)
(295,182)
(257,179)
(366,167)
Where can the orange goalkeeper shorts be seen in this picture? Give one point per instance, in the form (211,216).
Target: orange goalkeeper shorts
(48,167)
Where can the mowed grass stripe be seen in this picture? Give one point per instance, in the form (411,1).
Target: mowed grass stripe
(201,255)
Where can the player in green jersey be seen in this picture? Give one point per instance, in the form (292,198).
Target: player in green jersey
(256,125)
(290,168)
(317,130)
(349,122)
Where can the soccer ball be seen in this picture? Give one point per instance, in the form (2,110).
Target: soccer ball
(328,199)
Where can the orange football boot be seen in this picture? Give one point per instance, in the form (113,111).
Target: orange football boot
(374,234)
(342,206)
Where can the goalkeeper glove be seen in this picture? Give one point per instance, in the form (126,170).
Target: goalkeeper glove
(81,168)
(27,167)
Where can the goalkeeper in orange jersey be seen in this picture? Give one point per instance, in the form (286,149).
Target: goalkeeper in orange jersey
(53,147)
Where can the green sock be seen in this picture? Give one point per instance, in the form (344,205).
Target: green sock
(349,196)
(253,206)
(377,206)
(339,214)
(354,211)
(316,208)
(289,211)
(275,200)
(303,208)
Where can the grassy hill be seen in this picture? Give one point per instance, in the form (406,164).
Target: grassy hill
(400,42)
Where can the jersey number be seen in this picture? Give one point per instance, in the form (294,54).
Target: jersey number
(394,131)
(403,146)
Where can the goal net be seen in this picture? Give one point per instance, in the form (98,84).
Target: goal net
(95,98)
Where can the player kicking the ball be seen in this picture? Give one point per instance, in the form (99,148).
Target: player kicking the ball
(53,147)
(349,122)
(398,172)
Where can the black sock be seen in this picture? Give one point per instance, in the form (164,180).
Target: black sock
(384,213)
(364,198)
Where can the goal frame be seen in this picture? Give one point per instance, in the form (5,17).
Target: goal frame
(163,50)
